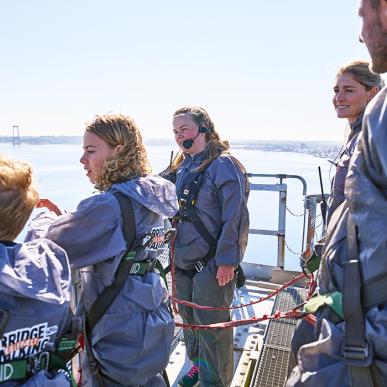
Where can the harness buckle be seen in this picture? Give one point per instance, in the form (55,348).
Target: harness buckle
(151,265)
(198,265)
(38,362)
(44,361)
(93,367)
(358,356)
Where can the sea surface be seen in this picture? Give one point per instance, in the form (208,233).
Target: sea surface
(60,177)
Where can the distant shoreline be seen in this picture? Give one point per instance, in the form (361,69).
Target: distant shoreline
(324,149)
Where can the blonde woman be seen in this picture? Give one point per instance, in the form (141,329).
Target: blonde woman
(130,344)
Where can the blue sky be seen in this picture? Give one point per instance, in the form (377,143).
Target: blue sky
(263,69)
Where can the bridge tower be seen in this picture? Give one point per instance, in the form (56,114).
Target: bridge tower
(15,135)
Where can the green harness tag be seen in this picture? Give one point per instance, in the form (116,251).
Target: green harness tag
(139,268)
(13,370)
(313,263)
(129,256)
(333,300)
(66,344)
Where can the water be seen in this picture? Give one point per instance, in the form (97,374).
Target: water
(60,177)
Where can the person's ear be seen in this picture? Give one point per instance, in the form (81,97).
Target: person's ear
(372,93)
(118,149)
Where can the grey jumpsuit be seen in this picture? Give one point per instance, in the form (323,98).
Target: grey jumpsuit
(337,195)
(304,332)
(321,363)
(221,205)
(35,290)
(132,340)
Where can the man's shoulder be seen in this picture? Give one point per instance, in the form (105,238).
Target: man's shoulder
(376,109)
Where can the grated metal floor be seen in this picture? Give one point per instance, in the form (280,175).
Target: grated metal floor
(246,338)
(272,367)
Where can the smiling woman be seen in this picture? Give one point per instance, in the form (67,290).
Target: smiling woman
(354,88)
(212,230)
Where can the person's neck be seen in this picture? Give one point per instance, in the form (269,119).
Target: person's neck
(352,120)
(198,150)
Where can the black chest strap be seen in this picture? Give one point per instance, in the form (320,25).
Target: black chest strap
(109,294)
(187,213)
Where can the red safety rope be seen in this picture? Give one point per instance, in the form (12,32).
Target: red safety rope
(270,295)
(293,313)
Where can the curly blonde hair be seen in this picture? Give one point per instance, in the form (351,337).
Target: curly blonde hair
(215,146)
(18,196)
(131,161)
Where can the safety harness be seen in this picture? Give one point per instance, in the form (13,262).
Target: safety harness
(187,213)
(50,359)
(351,305)
(127,266)
(357,352)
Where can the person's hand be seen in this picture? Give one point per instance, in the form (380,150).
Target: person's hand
(225,274)
(49,205)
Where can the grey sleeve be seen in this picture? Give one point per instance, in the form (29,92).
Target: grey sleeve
(92,233)
(230,186)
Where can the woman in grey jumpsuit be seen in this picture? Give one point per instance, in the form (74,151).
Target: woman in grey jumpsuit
(221,205)
(355,86)
(131,342)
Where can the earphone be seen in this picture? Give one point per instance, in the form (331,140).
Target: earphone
(187,144)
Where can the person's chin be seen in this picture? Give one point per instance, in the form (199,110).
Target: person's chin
(184,150)
(342,115)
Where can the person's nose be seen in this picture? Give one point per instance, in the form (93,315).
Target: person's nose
(82,160)
(340,96)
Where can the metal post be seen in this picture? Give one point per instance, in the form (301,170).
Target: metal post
(15,135)
(281,227)
(311,207)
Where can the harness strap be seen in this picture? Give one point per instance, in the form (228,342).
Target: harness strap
(374,291)
(13,370)
(357,352)
(108,295)
(187,197)
(4,317)
(24,368)
(204,233)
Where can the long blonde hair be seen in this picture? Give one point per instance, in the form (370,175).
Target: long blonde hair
(215,146)
(18,196)
(131,161)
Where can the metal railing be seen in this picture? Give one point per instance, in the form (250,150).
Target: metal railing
(310,203)
(281,188)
